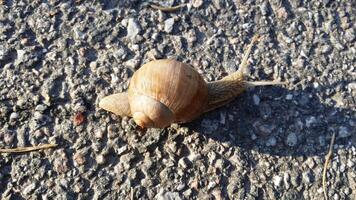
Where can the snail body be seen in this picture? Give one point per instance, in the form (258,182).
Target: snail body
(166,91)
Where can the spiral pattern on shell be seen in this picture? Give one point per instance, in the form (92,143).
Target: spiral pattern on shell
(174,84)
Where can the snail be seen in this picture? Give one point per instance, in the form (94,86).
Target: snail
(167,91)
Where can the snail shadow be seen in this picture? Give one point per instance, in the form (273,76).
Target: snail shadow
(277,121)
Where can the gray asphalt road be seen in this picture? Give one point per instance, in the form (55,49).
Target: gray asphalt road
(59,58)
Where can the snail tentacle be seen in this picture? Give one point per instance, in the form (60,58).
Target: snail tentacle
(244,63)
(223,91)
(250,84)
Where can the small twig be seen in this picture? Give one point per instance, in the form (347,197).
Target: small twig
(327,161)
(167,9)
(28,149)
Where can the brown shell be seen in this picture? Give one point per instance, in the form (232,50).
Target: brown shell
(177,85)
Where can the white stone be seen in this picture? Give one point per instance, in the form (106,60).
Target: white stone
(344,132)
(168,25)
(277,181)
(256,99)
(289,96)
(133,28)
(292,139)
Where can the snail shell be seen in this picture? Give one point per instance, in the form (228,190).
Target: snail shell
(175,91)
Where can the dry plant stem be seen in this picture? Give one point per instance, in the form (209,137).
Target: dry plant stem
(28,149)
(167,9)
(327,161)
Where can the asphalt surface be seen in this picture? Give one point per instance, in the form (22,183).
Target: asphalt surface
(59,58)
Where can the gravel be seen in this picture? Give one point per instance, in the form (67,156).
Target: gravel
(292,139)
(256,100)
(344,132)
(277,181)
(133,28)
(168,25)
(59,58)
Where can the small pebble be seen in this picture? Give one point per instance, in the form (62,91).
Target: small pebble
(30,188)
(99,134)
(350,35)
(253,136)
(271,142)
(181,186)
(197,3)
(295,180)
(277,181)
(264,8)
(193,157)
(100,159)
(286,180)
(41,108)
(267,129)
(292,139)
(14,116)
(162,195)
(2,52)
(8,137)
(352,86)
(308,177)
(183,163)
(20,55)
(256,99)
(61,165)
(309,121)
(344,132)
(347,191)
(326,49)
(211,185)
(187,193)
(121,150)
(289,97)
(219,164)
(336,196)
(133,28)
(79,158)
(310,162)
(282,13)
(168,25)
